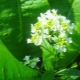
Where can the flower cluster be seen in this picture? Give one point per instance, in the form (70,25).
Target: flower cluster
(31,62)
(53,27)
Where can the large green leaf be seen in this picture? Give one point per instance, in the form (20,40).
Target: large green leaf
(12,69)
(15,19)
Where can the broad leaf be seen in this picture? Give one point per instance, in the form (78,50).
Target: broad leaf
(12,69)
(48,55)
(15,19)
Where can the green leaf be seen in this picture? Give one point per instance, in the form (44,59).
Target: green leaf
(47,55)
(48,75)
(15,19)
(69,72)
(12,69)
(68,57)
(76,38)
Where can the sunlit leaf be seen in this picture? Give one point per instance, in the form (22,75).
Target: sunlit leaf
(12,69)
(15,19)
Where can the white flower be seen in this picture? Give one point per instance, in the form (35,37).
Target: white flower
(60,48)
(56,46)
(62,34)
(42,19)
(36,59)
(33,62)
(45,31)
(57,27)
(64,49)
(70,28)
(38,40)
(33,30)
(73,26)
(69,40)
(62,18)
(45,36)
(67,21)
(28,40)
(54,11)
(32,65)
(54,37)
(26,62)
(48,14)
(26,58)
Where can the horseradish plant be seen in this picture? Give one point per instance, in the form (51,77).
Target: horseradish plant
(54,29)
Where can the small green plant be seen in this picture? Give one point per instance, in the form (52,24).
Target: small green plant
(53,33)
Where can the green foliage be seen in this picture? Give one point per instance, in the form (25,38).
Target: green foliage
(48,75)
(15,19)
(68,57)
(69,8)
(48,55)
(69,72)
(17,16)
(12,69)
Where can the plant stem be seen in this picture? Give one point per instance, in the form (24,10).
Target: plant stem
(20,19)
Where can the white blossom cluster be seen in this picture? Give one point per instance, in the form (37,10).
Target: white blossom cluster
(31,62)
(53,27)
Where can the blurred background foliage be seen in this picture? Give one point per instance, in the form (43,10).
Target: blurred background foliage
(16,17)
